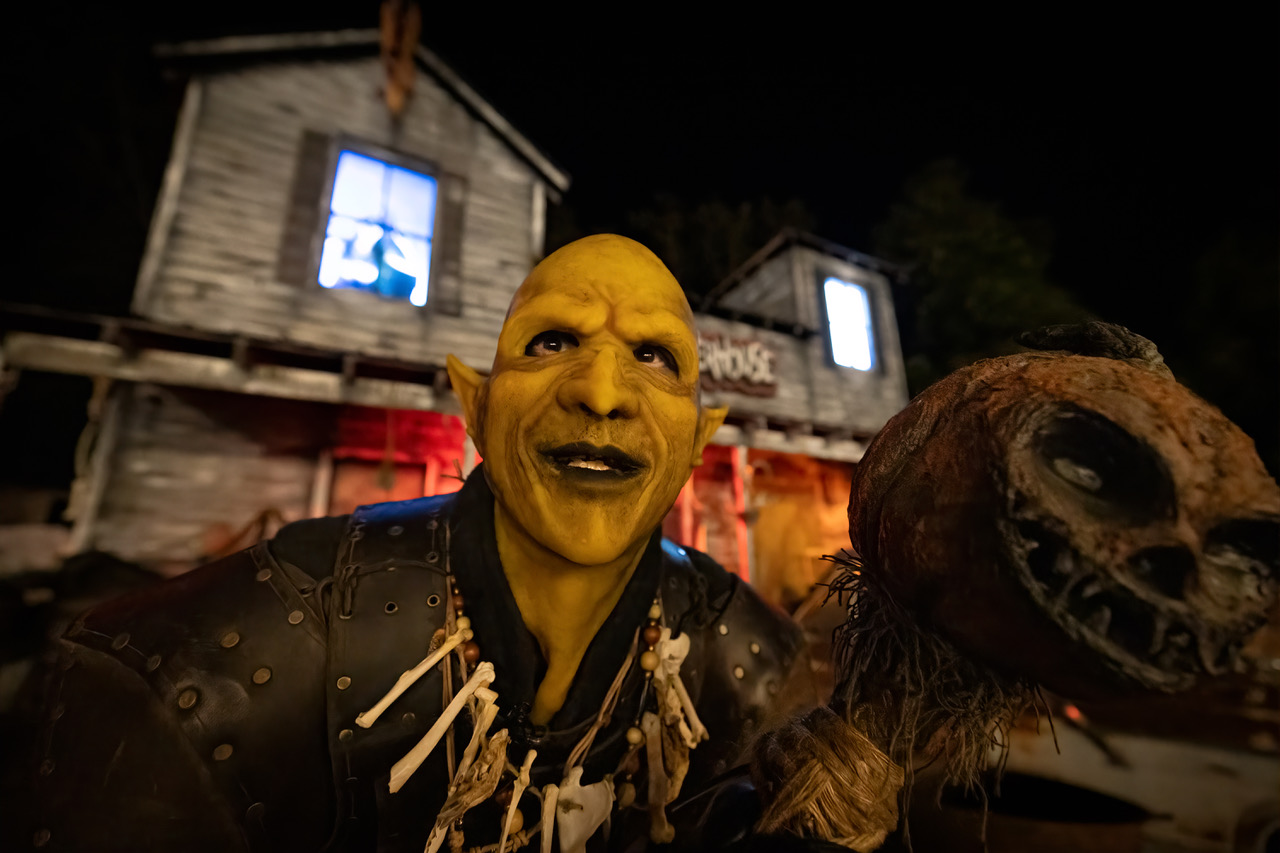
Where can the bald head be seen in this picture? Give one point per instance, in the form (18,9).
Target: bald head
(604,266)
(590,420)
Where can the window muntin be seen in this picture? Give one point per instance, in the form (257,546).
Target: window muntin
(379,231)
(849,322)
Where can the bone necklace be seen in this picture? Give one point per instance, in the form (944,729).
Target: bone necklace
(576,810)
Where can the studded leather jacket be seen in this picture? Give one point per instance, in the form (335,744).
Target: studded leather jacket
(216,711)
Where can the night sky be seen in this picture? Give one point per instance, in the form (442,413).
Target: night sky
(1143,141)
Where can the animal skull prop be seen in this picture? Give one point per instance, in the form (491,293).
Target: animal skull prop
(1072,518)
(1076,518)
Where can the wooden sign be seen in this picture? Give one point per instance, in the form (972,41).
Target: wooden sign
(737,364)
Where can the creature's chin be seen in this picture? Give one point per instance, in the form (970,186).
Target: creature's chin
(584,525)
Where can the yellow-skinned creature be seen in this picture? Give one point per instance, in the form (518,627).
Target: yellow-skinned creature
(311,692)
(589,424)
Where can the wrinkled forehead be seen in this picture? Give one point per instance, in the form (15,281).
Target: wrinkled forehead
(607,282)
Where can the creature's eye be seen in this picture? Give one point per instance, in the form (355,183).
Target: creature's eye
(1115,472)
(658,356)
(548,343)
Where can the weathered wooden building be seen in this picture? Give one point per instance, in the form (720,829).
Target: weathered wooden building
(313,259)
(801,343)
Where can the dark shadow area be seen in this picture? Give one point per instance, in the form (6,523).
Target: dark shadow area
(1045,799)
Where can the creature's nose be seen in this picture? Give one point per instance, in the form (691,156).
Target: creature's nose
(600,388)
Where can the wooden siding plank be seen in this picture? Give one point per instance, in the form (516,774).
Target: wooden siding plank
(97,358)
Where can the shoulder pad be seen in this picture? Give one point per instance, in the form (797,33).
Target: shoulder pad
(234,653)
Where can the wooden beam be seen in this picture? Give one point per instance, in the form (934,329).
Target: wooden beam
(271,43)
(321,485)
(741,529)
(538,221)
(98,358)
(91,484)
(835,449)
(686,501)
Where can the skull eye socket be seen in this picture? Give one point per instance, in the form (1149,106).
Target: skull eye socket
(1112,472)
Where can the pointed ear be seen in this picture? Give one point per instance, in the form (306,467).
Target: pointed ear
(468,385)
(709,421)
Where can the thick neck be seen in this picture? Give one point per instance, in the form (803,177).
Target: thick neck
(564,604)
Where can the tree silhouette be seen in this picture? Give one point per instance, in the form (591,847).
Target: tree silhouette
(1227,350)
(702,243)
(977,277)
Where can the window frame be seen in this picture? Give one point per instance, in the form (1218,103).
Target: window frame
(343,142)
(873,321)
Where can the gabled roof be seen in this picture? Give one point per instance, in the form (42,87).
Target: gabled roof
(363,41)
(786,239)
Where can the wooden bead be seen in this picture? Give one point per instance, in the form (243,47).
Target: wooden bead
(655,612)
(517,822)
(503,796)
(626,795)
(649,661)
(462,623)
(635,736)
(652,635)
(457,603)
(470,652)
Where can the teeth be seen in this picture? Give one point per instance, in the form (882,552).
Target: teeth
(1100,621)
(1063,594)
(1157,636)
(1208,655)
(1176,645)
(589,464)
(1228,657)
(1170,658)
(1091,589)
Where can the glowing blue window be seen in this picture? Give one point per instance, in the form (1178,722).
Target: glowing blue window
(849,313)
(378,235)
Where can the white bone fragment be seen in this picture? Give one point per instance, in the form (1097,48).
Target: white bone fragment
(550,798)
(699,731)
(660,831)
(409,676)
(468,791)
(671,652)
(582,809)
(404,768)
(517,791)
(436,838)
(486,712)
(677,740)
(672,716)
(671,655)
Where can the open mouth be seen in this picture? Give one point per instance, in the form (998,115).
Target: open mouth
(1159,646)
(579,457)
